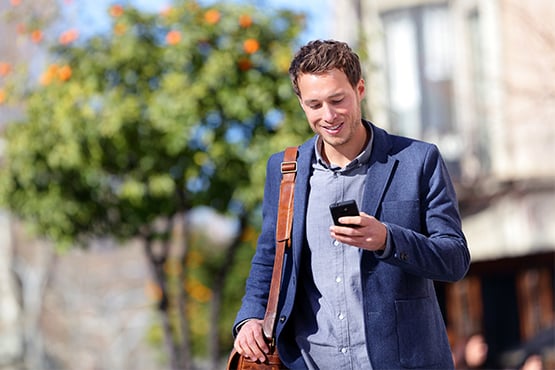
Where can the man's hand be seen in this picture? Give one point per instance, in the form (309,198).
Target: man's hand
(369,233)
(250,341)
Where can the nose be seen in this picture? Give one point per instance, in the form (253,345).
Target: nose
(329,113)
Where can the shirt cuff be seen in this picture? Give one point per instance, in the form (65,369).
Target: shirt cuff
(239,326)
(386,252)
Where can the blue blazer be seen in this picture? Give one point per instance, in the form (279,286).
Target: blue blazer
(408,189)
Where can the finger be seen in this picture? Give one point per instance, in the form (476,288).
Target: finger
(248,351)
(258,347)
(250,342)
(345,231)
(352,221)
(241,343)
(262,344)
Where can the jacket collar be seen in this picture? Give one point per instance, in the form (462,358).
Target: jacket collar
(380,169)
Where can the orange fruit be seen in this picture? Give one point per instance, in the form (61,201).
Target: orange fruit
(212,16)
(251,46)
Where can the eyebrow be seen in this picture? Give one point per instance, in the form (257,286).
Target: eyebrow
(336,95)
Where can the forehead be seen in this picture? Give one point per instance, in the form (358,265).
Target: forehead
(317,85)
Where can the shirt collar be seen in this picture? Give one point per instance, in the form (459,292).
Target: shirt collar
(362,158)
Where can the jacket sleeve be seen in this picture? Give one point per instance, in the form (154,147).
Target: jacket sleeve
(424,230)
(258,283)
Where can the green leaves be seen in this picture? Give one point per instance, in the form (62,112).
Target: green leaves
(164,113)
(167,113)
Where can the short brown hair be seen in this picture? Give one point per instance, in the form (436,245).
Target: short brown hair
(321,56)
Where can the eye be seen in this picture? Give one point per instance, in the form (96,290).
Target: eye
(315,106)
(337,101)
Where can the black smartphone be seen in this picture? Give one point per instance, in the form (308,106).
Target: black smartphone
(346,208)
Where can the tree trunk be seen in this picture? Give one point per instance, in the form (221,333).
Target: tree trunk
(34,273)
(157,259)
(11,335)
(186,359)
(218,288)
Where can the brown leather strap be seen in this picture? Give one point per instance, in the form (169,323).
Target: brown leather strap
(283,235)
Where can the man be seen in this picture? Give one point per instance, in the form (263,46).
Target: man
(355,297)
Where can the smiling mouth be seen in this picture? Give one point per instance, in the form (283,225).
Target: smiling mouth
(333,129)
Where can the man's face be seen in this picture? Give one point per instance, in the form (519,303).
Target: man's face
(332,107)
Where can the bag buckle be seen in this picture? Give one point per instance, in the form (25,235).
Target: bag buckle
(289,167)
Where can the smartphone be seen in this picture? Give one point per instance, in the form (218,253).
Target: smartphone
(346,208)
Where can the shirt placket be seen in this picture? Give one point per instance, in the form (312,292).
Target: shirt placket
(340,303)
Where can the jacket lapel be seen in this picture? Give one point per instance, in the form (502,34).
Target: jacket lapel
(302,189)
(379,172)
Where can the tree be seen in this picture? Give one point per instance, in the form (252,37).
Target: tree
(128,131)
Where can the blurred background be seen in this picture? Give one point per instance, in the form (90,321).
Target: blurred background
(133,143)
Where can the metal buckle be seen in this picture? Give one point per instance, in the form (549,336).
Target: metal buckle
(288,167)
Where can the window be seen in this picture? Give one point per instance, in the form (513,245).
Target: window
(478,148)
(418,47)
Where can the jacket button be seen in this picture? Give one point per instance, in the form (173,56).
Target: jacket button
(404,256)
(282,319)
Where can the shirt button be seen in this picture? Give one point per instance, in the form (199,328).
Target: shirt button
(336,243)
(338,279)
(341,316)
(343,350)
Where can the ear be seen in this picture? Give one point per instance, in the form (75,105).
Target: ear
(361,89)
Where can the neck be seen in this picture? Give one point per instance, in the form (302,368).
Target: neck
(344,154)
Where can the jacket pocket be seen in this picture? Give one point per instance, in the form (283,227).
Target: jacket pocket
(419,331)
(405,213)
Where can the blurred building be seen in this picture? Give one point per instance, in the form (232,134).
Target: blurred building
(11,336)
(476,77)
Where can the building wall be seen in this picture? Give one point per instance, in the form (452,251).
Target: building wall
(500,151)
(503,65)
(527,77)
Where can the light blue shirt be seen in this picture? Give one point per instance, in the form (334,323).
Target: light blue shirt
(329,318)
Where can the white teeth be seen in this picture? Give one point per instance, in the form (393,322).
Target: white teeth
(334,127)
